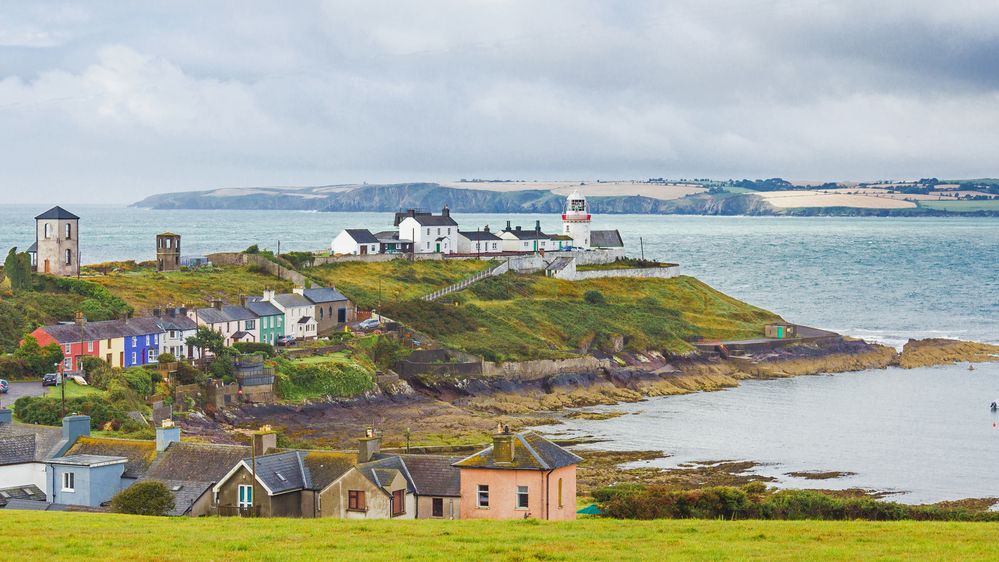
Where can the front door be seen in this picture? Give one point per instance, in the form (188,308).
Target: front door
(48,267)
(108,359)
(341,315)
(121,358)
(438,247)
(364,249)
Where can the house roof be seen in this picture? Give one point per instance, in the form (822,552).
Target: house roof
(21,442)
(531,234)
(202,462)
(382,471)
(431,475)
(28,505)
(185,493)
(262,308)
(57,213)
(531,451)
(425,219)
(324,467)
(138,453)
(558,264)
(305,320)
(606,239)
(177,323)
(478,235)
(323,295)
(228,313)
(282,472)
(88,460)
(104,330)
(33,248)
(391,237)
(361,235)
(290,300)
(28,492)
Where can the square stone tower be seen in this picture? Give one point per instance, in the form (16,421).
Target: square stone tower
(167,252)
(57,242)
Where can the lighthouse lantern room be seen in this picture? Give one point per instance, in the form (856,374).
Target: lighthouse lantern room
(576,220)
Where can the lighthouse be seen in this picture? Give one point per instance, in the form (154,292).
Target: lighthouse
(576,220)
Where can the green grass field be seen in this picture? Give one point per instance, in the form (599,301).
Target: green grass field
(339,357)
(73,390)
(962,206)
(30,535)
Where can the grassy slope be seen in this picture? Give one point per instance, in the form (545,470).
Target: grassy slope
(73,390)
(962,206)
(146,289)
(530,317)
(398,279)
(74,536)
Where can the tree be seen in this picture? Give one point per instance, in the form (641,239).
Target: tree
(17,268)
(40,360)
(207,338)
(144,498)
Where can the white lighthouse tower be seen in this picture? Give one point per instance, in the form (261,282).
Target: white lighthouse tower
(576,220)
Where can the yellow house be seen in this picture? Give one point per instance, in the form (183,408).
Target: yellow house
(114,351)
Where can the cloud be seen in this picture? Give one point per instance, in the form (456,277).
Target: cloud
(113,101)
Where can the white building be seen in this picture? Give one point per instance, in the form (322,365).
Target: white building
(479,242)
(235,323)
(355,242)
(56,250)
(176,329)
(299,314)
(517,239)
(430,233)
(576,220)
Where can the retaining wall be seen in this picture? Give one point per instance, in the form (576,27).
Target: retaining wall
(661,272)
(240,259)
(539,369)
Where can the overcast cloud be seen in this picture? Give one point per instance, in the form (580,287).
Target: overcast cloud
(109,102)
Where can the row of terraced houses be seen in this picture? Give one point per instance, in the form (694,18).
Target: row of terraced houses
(303,314)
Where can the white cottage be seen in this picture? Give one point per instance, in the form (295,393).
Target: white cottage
(479,242)
(355,242)
(299,314)
(430,233)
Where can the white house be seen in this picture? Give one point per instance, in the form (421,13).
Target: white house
(430,233)
(176,329)
(355,242)
(517,239)
(479,242)
(299,314)
(235,323)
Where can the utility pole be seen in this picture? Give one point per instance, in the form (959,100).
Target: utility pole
(253,470)
(642,244)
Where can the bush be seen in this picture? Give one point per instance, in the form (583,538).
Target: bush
(295,382)
(143,498)
(47,411)
(594,297)
(39,360)
(166,358)
(252,348)
(13,368)
(140,380)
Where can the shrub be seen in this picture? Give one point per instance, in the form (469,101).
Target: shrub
(47,411)
(594,297)
(295,382)
(143,498)
(39,360)
(140,380)
(252,348)
(13,368)
(166,358)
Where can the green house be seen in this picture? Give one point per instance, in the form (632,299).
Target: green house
(271,319)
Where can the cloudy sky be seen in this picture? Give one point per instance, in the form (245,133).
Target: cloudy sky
(112,101)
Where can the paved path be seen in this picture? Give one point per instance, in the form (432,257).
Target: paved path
(19,389)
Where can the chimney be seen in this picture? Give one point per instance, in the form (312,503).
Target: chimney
(264,441)
(518,228)
(508,226)
(74,427)
(242,301)
(537,226)
(445,212)
(6,416)
(269,294)
(485,228)
(299,291)
(157,312)
(368,445)
(217,304)
(503,445)
(165,434)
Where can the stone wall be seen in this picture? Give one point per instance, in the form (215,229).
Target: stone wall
(660,272)
(539,369)
(240,259)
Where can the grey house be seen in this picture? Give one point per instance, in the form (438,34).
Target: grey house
(332,308)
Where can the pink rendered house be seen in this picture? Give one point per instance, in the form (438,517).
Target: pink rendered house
(523,475)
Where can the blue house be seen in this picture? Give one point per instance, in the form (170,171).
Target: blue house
(142,342)
(87,480)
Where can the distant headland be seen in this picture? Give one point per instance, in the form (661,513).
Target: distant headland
(774,196)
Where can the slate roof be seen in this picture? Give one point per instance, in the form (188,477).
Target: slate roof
(426,219)
(29,492)
(33,248)
(28,505)
(14,442)
(305,320)
(391,237)
(323,295)
(558,264)
(57,213)
(88,460)
(606,239)
(283,472)
(431,475)
(263,308)
(104,330)
(289,300)
(361,235)
(185,493)
(531,451)
(478,235)
(324,467)
(382,471)
(228,313)
(140,453)
(201,462)
(531,234)
(177,323)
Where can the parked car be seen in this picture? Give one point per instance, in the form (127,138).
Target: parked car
(285,341)
(50,379)
(369,324)
(4,386)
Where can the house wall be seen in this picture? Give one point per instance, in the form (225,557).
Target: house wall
(328,313)
(503,485)
(141,347)
(285,505)
(425,507)
(70,351)
(93,485)
(115,348)
(25,474)
(425,237)
(466,246)
(54,247)
(335,498)
(270,328)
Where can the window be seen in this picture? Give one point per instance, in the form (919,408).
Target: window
(69,231)
(245,495)
(69,257)
(428,232)
(67,364)
(48,230)
(90,347)
(560,492)
(109,343)
(251,324)
(437,507)
(567,228)
(135,341)
(494,245)
(355,501)
(133,358)
(522,497)
(68,482)
(67,349)
(449,231)
(398,503)
(438,231)
(322,313)
(483,495)
(151,356)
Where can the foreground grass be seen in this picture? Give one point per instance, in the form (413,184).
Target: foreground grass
(73,390)
(145,289)
(76,536)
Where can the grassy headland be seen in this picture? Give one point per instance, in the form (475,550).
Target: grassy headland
(75,536)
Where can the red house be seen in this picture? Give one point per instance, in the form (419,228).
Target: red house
(67,336)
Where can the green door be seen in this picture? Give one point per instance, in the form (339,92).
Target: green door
(438,247)
(780,332)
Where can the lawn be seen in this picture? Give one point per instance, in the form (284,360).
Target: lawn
(73,390)
(962,206)
(31,535)
(338,357)
(517,317)
(145,289)
(368,283)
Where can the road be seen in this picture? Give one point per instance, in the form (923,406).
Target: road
(19,389)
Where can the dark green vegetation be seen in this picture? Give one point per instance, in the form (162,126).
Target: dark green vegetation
(77,536)
(30,360)
(755,501)
(622,263)
(143,498)
(334,378)
(516,317)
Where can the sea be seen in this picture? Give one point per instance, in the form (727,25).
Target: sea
(925,435)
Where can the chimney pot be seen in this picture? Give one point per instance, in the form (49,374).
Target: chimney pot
(369,445)
(264,441)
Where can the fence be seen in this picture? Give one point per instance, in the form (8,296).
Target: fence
(236,511)
(498,270)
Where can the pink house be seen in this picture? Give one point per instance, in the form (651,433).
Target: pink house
(523,475)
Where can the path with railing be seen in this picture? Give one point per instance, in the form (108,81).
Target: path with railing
(464,283)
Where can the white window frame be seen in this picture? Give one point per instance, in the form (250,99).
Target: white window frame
(523,493)
(68,481)
(479,491)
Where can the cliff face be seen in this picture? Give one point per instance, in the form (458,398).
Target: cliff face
(938,351)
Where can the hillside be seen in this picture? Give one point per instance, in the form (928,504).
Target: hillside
(32,535)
